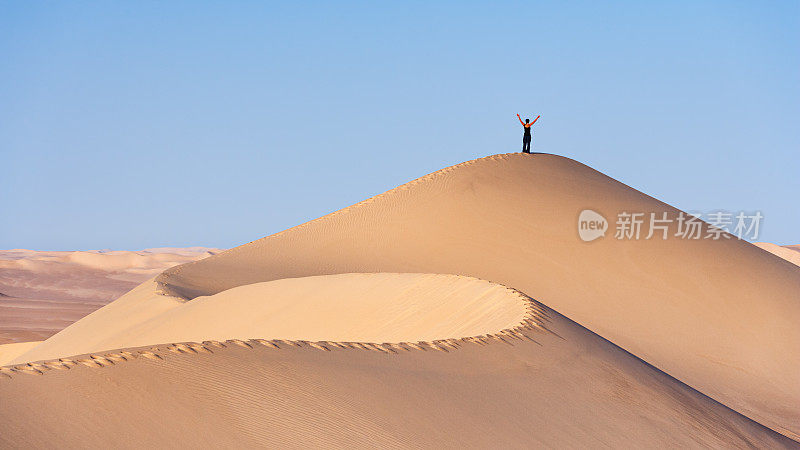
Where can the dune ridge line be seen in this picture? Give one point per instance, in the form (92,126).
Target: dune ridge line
(535,320)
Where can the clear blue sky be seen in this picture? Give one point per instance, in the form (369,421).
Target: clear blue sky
(127,125)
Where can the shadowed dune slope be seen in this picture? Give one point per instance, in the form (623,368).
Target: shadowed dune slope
(568,389)
(720,315)
(381,307)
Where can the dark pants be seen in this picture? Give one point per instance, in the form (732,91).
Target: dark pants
(526,145)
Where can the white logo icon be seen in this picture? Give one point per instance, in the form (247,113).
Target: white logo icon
(591,225)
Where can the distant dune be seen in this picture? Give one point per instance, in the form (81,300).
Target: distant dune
(42,292)
(790,253)
(447,312)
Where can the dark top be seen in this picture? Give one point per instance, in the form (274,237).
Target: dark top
(527,131)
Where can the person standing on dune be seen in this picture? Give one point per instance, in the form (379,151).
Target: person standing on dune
(526,138)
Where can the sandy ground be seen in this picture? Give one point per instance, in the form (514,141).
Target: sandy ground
(717,315)
(43,292)
(565,388)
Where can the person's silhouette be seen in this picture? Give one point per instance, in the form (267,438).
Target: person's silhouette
(526,138)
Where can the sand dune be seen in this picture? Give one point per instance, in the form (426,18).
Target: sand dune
(718,315)
(566,388)
(43,292)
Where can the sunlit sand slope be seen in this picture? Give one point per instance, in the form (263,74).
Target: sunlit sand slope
(379,307)
(568,389)
(9,352)
(720,315)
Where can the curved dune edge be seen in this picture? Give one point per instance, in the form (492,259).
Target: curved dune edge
(353,307)
(362,307)
(537,317)
(160,352)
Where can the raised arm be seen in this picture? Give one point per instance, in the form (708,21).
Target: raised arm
(534,120)
(520,119)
